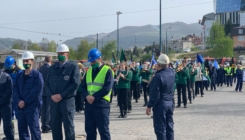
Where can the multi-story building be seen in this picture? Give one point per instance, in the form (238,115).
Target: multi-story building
(238,35)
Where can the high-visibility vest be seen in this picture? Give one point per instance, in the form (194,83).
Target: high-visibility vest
(229,71)
(98,83)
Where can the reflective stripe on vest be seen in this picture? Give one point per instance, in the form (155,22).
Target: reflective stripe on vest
(229,71)
(98,83)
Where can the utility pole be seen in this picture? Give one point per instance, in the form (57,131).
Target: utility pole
(118,13)
(160,41)
(97,41)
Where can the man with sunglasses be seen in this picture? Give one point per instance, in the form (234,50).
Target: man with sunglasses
(62,82)
(28,90)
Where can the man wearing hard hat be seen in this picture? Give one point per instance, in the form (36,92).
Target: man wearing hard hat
(161,99)
(97,87)
(62,82)
(28,90)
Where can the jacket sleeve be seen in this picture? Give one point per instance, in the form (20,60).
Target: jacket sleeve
(36,90)
(75,75)
(154,92)
(8,92)
(83,86)
(128,77)
(47,87)
(107,87)
(16,93)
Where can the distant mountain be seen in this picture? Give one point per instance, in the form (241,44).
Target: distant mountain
(142,35)
(8,42)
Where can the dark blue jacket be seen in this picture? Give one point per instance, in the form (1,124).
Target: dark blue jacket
(220,72)
(6,89)
(63,80)
(44,69)
(99,101)
(30,91)
(162,88)
(14,72)
(213,72)
(239,73)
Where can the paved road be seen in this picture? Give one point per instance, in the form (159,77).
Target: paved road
(218,115)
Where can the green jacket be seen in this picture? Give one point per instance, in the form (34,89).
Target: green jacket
(135,72)
(182,76)
(146,74)
(193,75)
(125,83)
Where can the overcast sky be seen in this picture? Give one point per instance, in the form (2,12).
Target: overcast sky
(84,16)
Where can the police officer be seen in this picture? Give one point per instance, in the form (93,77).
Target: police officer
(62,82)
(228,75)
(97,87)
(6,91)
(161,99)
(213,76)
(28,99)
(239,74)
(46,98)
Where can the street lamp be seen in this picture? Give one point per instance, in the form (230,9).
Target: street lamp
(118,13)
(166,48)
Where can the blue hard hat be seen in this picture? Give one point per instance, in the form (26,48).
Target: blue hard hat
(9,61)
(93,55)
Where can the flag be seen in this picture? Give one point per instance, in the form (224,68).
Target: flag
(113,58)
(200,58)
(123,57)
(153,61)
(216,65)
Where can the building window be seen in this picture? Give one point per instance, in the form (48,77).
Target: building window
(240,31)
(240,38)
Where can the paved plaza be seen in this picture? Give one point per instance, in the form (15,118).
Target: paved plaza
(218,115)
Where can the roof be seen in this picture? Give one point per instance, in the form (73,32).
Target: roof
(240,27)
(36,53)
(208,16)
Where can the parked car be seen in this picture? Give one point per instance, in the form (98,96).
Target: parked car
(187,50)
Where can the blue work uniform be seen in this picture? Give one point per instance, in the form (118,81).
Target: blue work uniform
(28,88)
(161,99)
(239,74)
(97,113)
(6,92)
(13,73)
(46,98)
(64,80)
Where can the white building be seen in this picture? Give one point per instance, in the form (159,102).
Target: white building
(17,54)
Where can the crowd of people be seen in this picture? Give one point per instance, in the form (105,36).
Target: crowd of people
(56,91)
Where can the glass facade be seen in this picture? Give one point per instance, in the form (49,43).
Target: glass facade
(224,6)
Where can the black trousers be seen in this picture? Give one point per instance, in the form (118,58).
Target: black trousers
(229,80)
(239,84)
(220,80)
(123,100)
(188,89)
(181,89)
(198,86)
(63,112)
(146,91)
(45,113)
(5,115)
(129,100)
(205,85)
(192,84)
(135,90)
(234,78)
(213,83)
(79,101)
(115,89)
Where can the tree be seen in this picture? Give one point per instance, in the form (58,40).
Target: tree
(34,47)
(16,46)
(108,49)
(83,49)
(72,54)
(52,46)
(220,44)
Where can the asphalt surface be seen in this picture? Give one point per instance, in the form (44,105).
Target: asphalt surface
(219,115)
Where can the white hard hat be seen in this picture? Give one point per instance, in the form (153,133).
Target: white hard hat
(163,59)
(62,48)
(27,55)
(137,64)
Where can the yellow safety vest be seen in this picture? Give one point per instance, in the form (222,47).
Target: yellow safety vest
(98,83)
(229,71)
